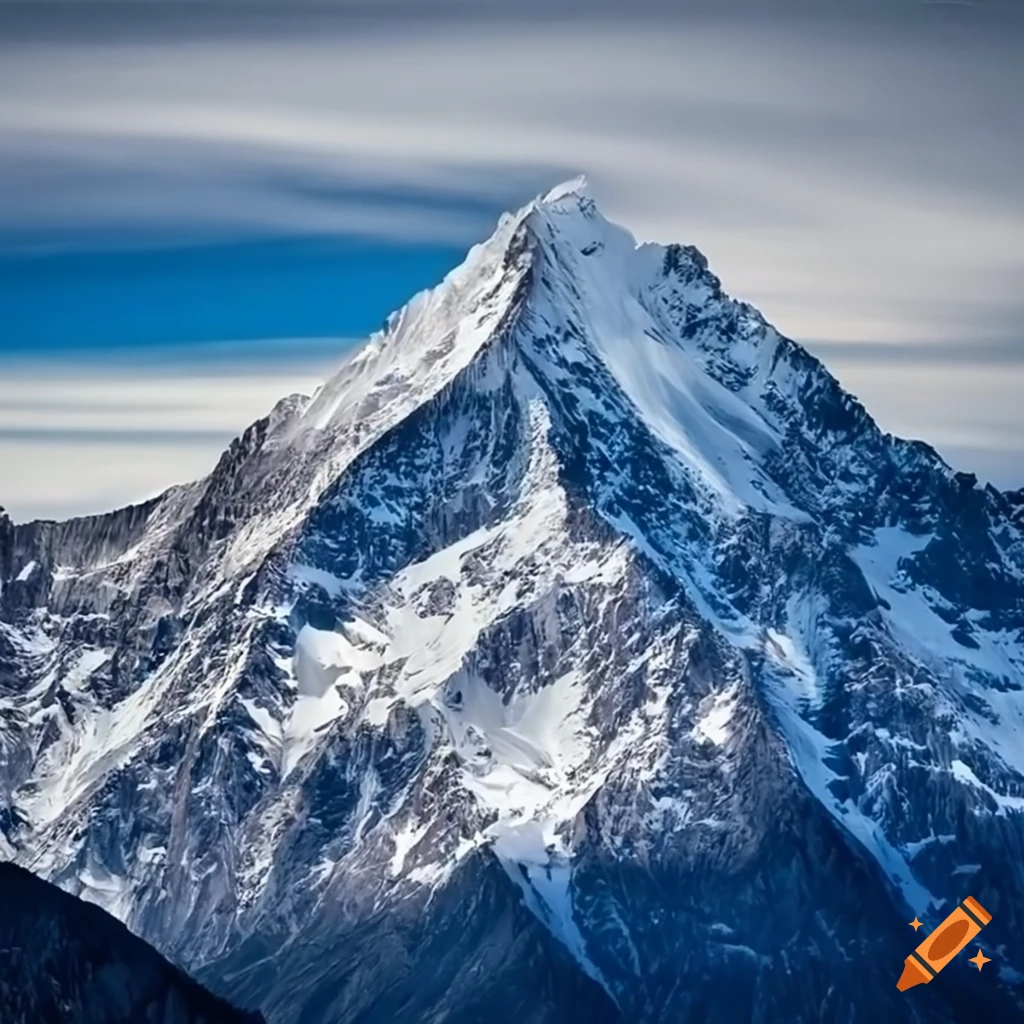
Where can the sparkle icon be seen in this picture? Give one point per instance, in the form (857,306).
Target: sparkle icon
(915,924)
(980,959)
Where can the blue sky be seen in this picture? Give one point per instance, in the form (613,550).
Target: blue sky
(202,208)
(77,302)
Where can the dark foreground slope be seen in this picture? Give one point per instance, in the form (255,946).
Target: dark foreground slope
(67,961)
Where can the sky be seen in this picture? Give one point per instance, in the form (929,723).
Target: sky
(204,207)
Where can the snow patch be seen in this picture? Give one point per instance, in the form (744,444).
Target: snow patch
(310,575)
(713,724)
(86,663)
(310,716)
(793,660)
(102,887)
(546,884)
(573,187)
(966,869)
(963,773)
(324,658)
(406,840)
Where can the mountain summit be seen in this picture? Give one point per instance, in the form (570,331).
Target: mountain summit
(579,651)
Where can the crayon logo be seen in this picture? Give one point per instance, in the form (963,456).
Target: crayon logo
(948,940)
(939,948)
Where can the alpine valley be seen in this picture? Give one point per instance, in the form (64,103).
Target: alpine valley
(580,651)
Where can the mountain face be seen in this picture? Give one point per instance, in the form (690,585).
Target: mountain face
(65,961)
(579,651)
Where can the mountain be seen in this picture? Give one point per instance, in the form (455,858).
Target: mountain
(68,962)
(580,651)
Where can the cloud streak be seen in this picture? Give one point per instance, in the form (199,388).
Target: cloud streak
(92,437)
(853,170)
(844,180)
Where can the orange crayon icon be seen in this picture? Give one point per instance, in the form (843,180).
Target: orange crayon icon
(943,944)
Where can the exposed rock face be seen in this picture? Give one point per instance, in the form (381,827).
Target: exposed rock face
(580,651)
(65,961)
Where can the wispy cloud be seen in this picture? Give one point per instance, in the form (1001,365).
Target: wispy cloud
(852,169)
(844,178)
(96,435)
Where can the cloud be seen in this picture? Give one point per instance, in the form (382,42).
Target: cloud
(932,353)
(97,435)
(852,169)
(964,410)
(845,180)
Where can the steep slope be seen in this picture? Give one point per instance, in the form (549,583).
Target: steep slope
(67,962)
(580,647)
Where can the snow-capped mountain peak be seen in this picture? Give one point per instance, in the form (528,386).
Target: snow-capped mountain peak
(576,624)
